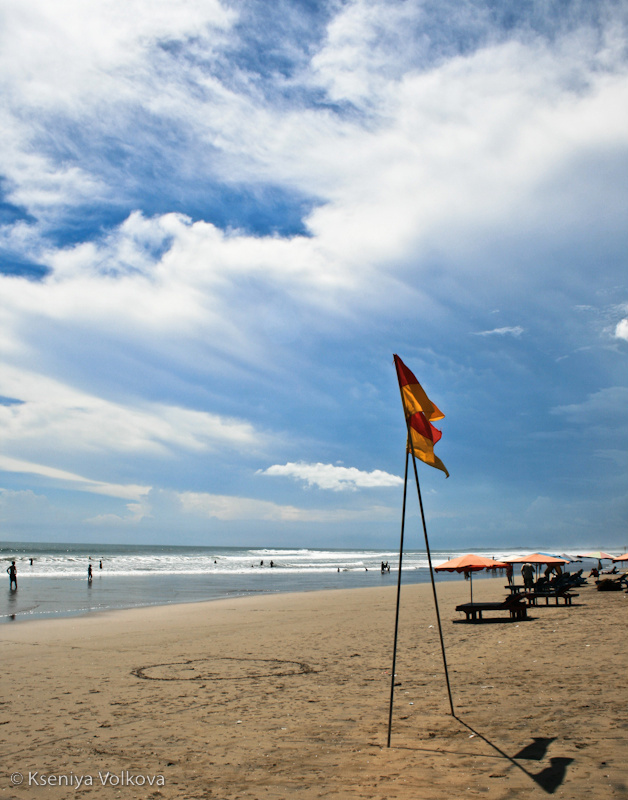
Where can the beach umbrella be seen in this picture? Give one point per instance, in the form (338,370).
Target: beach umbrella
(597,554)
(470,564)
(622,558)
(537,559)
(571,559)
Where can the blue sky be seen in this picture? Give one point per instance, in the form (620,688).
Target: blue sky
(218,222)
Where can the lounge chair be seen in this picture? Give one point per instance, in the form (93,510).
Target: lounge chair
(615,584)
(557,595)
(516,607)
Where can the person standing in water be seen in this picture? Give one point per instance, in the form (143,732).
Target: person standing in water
(89,574)
(12,573)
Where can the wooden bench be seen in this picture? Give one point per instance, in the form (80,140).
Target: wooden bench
(533,597)
(517,609)
(516,588)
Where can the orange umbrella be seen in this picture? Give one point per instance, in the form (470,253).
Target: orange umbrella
(537,558)
(470,564)
(622,558)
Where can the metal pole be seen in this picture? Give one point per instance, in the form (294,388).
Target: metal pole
(394,663)
(429,559)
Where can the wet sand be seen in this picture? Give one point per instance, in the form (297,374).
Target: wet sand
(287,697)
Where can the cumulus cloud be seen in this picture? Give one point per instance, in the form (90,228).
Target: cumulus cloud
(328,476)
(621,331)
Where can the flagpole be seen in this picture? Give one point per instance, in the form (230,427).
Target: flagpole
(429,561)
(392,677)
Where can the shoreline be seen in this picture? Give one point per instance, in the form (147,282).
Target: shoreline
(44,598)
(287,695)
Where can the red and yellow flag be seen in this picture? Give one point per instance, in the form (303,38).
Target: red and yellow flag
(419,410)
(413,397)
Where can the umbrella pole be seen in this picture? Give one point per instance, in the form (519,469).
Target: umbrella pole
(471,579)
(392,677)
(429,560)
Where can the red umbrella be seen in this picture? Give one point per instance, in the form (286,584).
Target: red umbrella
(470,564)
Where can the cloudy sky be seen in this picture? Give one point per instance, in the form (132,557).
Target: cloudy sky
(218,222)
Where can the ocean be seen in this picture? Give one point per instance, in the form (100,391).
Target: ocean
(52,578)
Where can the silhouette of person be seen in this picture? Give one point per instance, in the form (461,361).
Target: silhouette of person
(100,563)
(89,573)
(12,573)
(527,570)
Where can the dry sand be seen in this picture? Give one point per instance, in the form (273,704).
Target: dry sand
(287,697)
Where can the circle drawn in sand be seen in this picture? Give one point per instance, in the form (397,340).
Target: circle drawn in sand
(222,668)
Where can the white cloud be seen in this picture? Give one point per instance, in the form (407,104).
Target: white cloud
(137,512)
(515,331)
(231,508)
(607,407)
(88,65)
(621,331)
(63,477)
(54,417)
(451,152)
(328,476)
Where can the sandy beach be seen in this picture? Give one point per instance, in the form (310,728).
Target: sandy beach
(287,696)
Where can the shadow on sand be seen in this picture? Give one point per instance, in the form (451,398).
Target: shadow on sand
(550,778)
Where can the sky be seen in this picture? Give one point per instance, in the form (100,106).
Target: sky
(220,220)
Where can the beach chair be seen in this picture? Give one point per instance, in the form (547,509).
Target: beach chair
(615,584)
(516,607)
(557,596)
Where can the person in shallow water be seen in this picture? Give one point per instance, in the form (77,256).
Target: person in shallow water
(89,573)
(12,573)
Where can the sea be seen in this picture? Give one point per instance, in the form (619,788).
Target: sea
(53,581)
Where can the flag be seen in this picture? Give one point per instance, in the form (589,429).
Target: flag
(419,411)
(413,397)
(423,437)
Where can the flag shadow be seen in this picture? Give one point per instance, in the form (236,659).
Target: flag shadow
(549,778)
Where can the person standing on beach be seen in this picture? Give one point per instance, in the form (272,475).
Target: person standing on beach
(12,573)
(527,570)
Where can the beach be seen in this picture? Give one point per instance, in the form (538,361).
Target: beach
(288,695)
